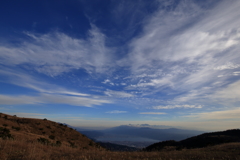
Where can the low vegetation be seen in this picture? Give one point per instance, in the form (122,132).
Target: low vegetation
(28,143)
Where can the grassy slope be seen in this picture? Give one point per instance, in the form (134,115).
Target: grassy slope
(200,141)
(25,145)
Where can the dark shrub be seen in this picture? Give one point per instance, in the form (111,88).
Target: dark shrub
(16,128)
(5,133)
(72,144)
(58,143)
(43,141)
(52,137)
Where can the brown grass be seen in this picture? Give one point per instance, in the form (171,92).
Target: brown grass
(25,146)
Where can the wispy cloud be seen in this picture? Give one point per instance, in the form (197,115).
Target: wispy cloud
(176,106)
(229,94)
(184,55)
(228,66)
(46,93)
(57,53)
(118,94)
(152,113)
(116,112)
(51,99)
(217,115)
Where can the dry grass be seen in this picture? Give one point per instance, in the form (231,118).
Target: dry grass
(20,150)
(25,145)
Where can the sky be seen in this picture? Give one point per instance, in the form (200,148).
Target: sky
(104,63)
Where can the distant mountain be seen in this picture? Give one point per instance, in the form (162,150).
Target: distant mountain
(133,134)
(151,133)
(200,141)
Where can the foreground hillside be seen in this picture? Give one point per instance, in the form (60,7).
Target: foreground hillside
(200,141)
(41,139)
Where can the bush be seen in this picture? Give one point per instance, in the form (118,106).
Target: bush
(5,133)
(43,141)
(16,128)
(91,143)
(58,143)
(72,144)
(45,119)
(52,137)
(5,125)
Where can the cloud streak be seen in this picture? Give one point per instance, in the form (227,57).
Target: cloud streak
(57,53)
(177,106)
(51,99)
(116,112)
(158,113)
(217,115)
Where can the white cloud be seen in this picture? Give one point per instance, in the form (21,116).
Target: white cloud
(117,94)
(227,66)
(116,112)
(236,73)
(217,115)
(106,81)
(152,113)
(56,53)
(25,80)
(186,49)
(51,99)
(231,93)
(16,100)
(176,106)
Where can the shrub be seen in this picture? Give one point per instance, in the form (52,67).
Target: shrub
(91,143)
(72,144)
(45,119)
(5,133)
(5,125)
(16,128)
(43,141)
(58,143)
(52,137)
(48,127)
(40,129)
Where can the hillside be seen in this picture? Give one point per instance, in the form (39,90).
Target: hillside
(200,141)
(43,132)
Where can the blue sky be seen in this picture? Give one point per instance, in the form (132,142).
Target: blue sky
(107,63)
